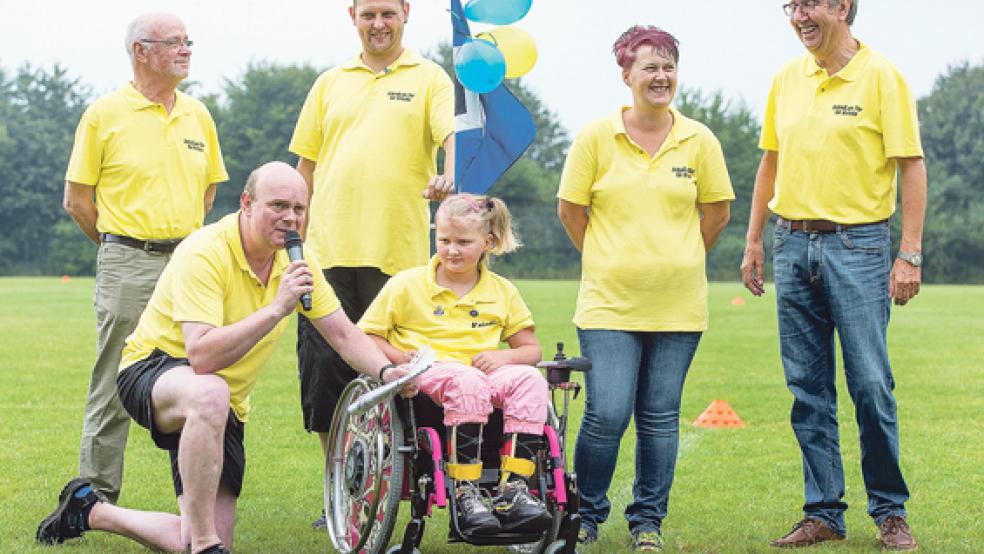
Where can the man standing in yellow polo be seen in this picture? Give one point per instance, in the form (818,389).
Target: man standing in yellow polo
(141,177)
(840,123)
(367,139)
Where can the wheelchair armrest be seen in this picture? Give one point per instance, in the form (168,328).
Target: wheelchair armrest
(572,364)
(559,371)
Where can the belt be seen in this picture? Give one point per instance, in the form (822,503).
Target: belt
(819,225)
(162,246)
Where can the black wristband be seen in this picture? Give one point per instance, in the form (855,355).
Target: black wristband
(383,370)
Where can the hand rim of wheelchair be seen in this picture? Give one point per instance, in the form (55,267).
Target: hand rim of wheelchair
(361,470)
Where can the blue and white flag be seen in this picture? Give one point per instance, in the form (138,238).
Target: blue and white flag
(492,130)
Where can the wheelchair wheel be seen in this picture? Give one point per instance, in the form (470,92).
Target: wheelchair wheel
(363,474)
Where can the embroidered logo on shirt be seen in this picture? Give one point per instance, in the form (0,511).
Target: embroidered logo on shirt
(439,311)
(196,145)
(400,96)
(684,172)
(846,109)
(477,324)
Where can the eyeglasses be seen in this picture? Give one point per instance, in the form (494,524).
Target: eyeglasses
(805,5)
(170,42)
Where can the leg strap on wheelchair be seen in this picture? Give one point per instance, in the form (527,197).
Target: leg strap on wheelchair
(466,452)
(464,472)
(519,466)
(522,451)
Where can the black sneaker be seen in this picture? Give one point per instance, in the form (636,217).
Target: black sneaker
(520,511)
(474,516)
(321,523)
(68,521)
(215,549)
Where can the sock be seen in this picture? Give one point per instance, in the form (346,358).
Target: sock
(526,445)
(83,495)
(466,443)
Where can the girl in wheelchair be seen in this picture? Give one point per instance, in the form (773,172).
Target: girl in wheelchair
(463,311)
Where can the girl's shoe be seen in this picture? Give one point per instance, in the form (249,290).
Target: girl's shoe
(474,516)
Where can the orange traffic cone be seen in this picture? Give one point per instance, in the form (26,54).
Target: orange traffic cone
(719,414)
(66,278)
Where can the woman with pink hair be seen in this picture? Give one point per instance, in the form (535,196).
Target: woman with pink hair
(644,195)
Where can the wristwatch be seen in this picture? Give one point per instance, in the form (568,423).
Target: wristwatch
(914,259)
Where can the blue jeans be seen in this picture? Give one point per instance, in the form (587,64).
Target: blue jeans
(641,374)
(827,282)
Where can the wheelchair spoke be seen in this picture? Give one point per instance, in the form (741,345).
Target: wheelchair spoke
(362,426)
(362,475)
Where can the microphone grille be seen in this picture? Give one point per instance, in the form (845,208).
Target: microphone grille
(291,238)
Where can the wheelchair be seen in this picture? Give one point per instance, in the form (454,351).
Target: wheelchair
(394,451)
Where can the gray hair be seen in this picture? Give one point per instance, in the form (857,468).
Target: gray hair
(137,29)
(851,14)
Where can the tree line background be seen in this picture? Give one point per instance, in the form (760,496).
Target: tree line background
(256,112)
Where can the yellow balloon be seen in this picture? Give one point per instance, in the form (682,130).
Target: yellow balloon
(517,47)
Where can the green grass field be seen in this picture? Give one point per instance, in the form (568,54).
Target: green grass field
(734,489)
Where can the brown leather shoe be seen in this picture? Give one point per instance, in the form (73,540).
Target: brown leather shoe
(894,534)
(808,531)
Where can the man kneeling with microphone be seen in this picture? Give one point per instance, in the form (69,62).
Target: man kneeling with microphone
(187,371)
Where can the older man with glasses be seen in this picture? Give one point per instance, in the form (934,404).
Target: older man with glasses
(840,124)
(141,177)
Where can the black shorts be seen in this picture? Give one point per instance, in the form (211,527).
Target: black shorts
(323,373)
(135,384)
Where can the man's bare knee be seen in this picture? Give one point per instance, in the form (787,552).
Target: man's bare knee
(210,401)
(180,394)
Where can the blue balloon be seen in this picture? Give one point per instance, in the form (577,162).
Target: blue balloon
(497,12)
(480,66)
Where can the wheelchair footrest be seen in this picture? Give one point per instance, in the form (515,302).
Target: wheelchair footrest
(499,539)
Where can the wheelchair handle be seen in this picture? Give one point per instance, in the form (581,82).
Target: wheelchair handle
(420,363)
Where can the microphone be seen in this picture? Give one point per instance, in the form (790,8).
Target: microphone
(294,246)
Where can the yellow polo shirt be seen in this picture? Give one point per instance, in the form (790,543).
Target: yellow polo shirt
(374,137)
(150,168)
(413,310)
(838,137)
(642,266)
(209,281)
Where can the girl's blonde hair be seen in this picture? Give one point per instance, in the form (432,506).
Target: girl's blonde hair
(489,212)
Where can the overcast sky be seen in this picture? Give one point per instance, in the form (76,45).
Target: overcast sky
(730,45)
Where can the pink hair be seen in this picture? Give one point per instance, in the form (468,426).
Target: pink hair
(638,35)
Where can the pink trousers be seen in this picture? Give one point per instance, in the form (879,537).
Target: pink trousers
(468,395)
